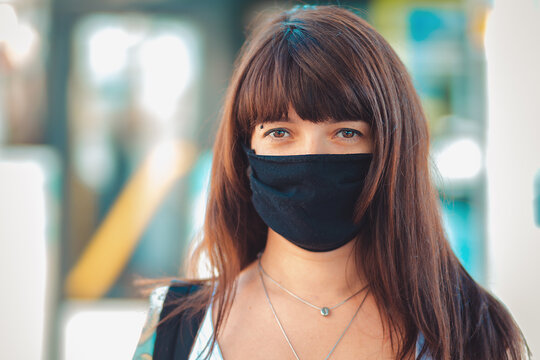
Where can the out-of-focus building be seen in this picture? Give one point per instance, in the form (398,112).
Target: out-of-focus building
(108,111)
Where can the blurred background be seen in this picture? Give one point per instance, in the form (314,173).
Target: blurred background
(108,111)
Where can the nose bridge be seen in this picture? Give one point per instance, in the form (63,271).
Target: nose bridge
(314,140)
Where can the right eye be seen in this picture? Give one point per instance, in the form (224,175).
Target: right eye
(276,133)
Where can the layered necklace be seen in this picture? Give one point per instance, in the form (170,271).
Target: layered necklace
(324,311)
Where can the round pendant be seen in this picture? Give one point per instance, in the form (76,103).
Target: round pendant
(325,311)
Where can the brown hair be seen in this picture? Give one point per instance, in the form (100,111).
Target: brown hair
(327,62)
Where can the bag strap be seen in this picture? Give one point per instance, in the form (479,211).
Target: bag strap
(175,337)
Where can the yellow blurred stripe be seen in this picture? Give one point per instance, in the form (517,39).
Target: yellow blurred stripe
(116,238)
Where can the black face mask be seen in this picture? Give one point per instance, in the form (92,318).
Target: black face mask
(308,199)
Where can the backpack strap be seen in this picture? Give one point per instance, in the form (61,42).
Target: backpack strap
(175,337)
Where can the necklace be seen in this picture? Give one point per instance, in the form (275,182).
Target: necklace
(324,310)
(283,330)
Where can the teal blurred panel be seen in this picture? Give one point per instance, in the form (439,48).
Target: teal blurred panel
(437,49)
(437,24)
(536,201)
(198,185)
(461,221)
(424,23)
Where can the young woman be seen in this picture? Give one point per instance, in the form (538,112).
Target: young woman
(322,226)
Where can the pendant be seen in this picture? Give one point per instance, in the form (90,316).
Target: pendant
(325,311)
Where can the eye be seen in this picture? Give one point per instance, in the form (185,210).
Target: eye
(349,133)
(276,133)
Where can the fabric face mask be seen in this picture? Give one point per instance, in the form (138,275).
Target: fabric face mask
(308,199)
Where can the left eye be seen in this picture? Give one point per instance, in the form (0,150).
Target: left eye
(349,133)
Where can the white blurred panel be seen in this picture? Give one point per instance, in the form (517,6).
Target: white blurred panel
(459,159)
(513,158)
(105,329)
(27,247)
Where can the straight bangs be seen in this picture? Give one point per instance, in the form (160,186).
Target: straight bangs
(311,69)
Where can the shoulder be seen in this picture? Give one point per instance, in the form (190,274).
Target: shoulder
(161,301)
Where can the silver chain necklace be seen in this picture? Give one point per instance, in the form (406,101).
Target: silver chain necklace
(324,310)
(283,330)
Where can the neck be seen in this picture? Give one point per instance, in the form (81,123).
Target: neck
(328,276)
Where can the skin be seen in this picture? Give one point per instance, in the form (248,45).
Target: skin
(322,278)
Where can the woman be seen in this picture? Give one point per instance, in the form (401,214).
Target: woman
(322,224)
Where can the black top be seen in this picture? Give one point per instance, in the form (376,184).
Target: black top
(175,337)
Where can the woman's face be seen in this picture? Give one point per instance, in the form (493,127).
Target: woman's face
(297,137)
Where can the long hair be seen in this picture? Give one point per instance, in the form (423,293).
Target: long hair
(329,63)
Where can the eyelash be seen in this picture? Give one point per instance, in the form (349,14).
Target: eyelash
(340,130)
